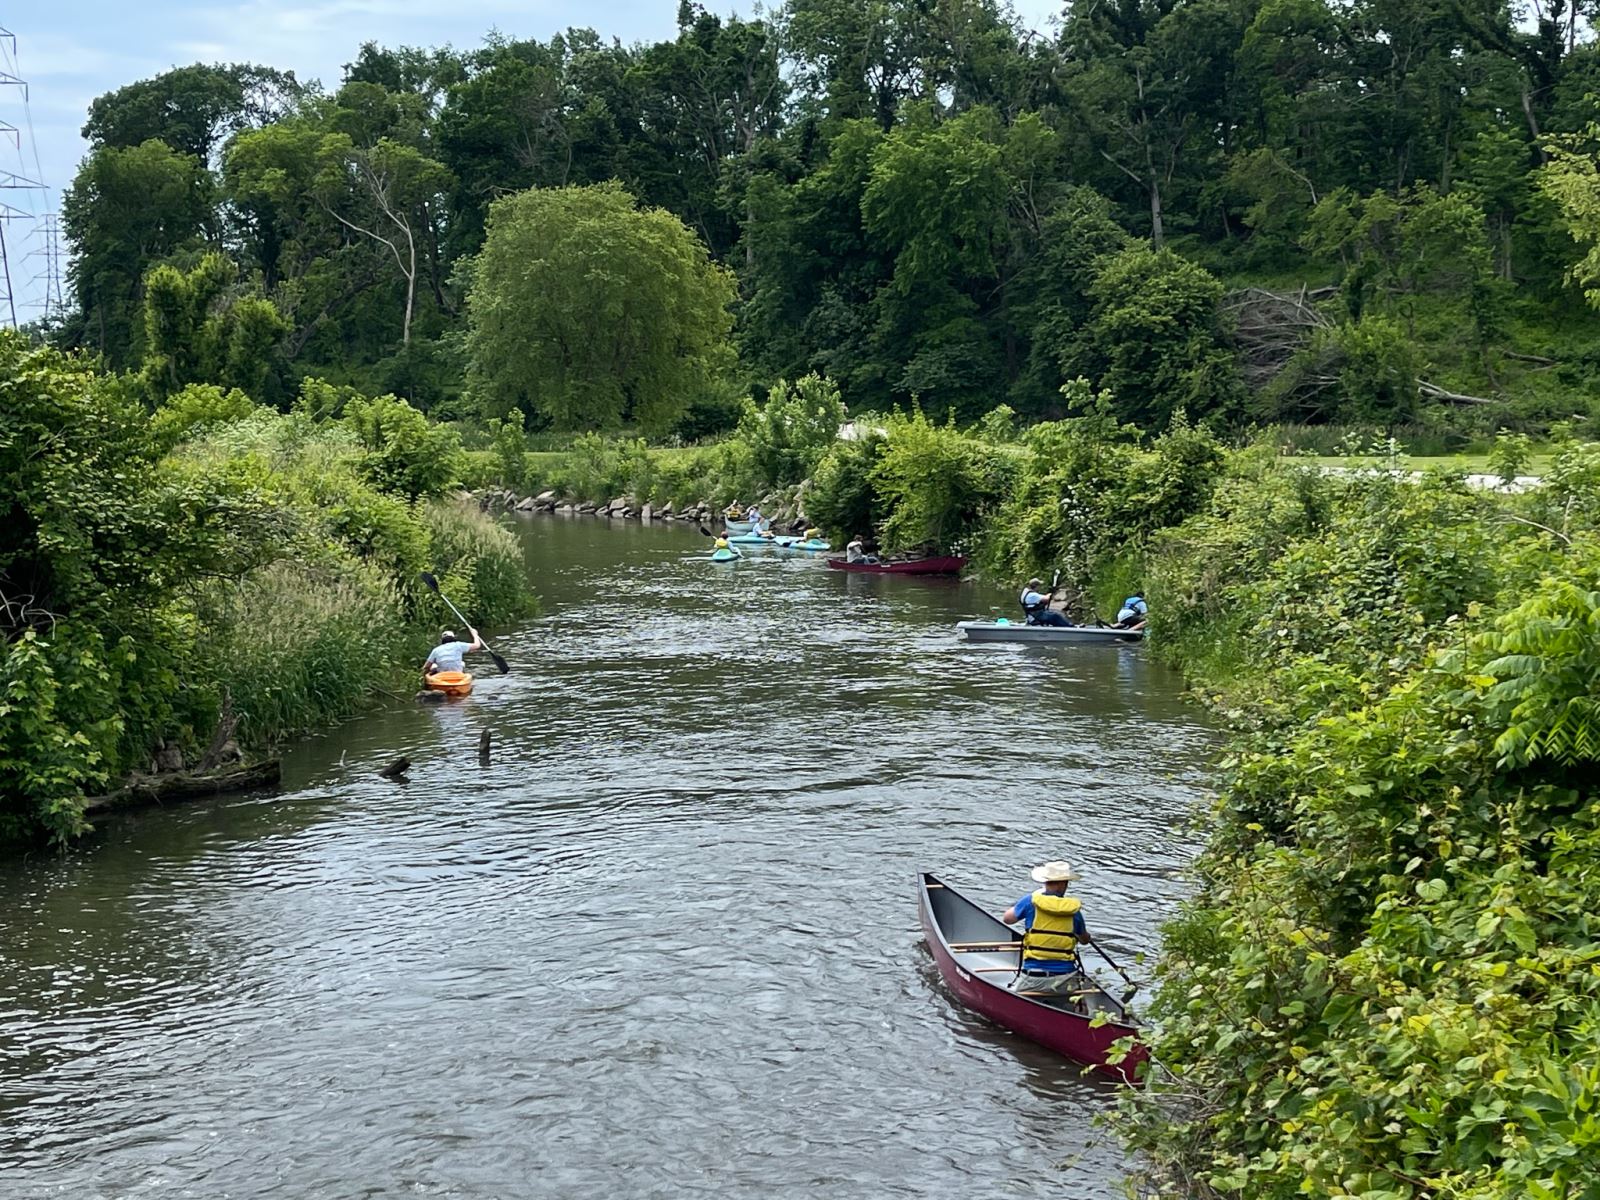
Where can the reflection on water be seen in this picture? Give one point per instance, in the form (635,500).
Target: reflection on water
(665,941)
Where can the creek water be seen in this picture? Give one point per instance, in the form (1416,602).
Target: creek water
(664,944)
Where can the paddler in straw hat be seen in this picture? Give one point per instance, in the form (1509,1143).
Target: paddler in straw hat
(1055,929)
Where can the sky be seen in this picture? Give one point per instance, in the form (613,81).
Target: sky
(70,51)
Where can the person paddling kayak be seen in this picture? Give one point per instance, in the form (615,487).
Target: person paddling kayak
(1036,605)
(451,654)
(1055,927)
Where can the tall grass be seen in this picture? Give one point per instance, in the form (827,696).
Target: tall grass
(298,646)
(479,563)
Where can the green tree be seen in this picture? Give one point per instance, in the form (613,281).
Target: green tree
(589,311)
(1153,338)
(127,210)
(196,330)
(191,109)
(382,193)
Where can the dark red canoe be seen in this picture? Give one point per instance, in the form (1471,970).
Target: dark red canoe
(977,955)
(917,566)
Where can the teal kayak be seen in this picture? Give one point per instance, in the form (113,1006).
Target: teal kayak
(725,556)
(751,539)
(810,544)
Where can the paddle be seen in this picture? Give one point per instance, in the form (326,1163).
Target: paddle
(1132,986)
(433,585)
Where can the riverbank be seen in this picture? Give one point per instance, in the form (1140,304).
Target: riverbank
(211,571)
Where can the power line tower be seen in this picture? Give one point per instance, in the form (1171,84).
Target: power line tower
(46,281)
(18,187)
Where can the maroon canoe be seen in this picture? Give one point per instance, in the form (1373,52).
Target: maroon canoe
(950,565)
(977,955)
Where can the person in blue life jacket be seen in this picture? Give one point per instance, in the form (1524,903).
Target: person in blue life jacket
(451,654)
(1036,605)
(1133,613)
(1055,930)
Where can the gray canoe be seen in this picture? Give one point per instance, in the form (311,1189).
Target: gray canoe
(1044,635)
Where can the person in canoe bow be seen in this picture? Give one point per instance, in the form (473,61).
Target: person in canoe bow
(856,551)
(1133,613)
(451,654)
(1055,929)
(1036,605)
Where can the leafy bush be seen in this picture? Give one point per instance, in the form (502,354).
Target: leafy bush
(257,561)
(1355,372)
(1154,338)
(404,453)
(789,434)
(1384,983)
(478,562)
(841,498)
(936,484)
(195,407)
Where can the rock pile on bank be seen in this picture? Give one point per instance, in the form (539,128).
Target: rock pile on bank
(786,516)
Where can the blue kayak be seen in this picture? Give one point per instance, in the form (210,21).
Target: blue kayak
(808,544)
(725,556)
(751,539)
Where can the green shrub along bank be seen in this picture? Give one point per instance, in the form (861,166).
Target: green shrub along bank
(1387,983)
(159,568)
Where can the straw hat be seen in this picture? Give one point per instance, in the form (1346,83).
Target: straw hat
(1053,872)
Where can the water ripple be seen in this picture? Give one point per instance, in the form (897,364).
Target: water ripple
(663,941)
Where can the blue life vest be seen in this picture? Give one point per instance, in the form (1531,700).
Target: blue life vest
(1037,609)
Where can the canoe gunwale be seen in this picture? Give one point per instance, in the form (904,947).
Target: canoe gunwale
(949,564)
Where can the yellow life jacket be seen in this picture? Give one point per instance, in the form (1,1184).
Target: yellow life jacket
(1050,937)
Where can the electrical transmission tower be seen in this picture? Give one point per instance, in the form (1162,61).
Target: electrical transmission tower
(21,199)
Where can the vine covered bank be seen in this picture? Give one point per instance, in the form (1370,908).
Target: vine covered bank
(209,562)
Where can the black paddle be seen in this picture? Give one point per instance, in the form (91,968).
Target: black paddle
(433,584)
(1132,986)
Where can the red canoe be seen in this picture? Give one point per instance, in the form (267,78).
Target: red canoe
(977,955)
(916,566)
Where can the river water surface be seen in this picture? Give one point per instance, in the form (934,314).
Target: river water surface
(663,945)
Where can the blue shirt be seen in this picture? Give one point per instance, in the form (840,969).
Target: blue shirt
(450,656)
(1048,966)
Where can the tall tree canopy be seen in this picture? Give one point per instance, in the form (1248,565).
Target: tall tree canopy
(917,196)
(588,311)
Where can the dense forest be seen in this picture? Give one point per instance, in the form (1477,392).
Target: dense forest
(1269,211)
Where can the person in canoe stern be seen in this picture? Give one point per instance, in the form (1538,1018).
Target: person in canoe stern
(856,551)
(1055,929)
(1133,613)
(451,654)
(1036,605)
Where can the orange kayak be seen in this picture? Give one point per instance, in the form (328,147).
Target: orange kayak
(451,683)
